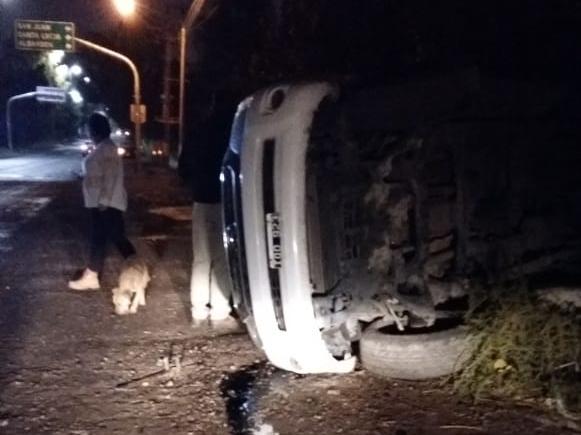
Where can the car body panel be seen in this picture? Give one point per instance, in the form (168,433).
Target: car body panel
(298,345)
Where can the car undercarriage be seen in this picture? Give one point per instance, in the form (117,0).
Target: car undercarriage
(408,220)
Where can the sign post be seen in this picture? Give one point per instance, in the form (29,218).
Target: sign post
(44,35)
(43,94)
(9,115)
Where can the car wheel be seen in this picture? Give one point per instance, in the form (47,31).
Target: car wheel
(414,356)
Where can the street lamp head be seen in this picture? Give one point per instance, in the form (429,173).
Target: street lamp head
(76,96)
(55,57)
(76,70)
(125,7)
(62,72)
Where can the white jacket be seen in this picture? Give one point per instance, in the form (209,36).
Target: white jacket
(103,178)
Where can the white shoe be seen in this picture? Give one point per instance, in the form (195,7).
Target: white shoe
(226,325)
(88,281)
(200,313)
(218,315)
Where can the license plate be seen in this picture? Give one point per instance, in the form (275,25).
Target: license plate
(273,237)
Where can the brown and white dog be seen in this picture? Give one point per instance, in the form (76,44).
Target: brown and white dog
(130,293)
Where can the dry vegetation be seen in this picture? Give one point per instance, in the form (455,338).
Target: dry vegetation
(525,348)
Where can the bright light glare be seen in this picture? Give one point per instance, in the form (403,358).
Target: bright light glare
(120,151)
(76,70)
(55,57)
(125,7)
(76,96)
(87,79)
(62,72)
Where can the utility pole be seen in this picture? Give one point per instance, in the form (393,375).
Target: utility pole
(165,109)
(168,107)
(192,15)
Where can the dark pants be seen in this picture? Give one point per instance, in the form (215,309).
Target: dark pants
(107,225)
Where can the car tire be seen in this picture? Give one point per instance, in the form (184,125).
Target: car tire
(415,356)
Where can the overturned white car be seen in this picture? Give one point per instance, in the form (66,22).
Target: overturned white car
(356,221)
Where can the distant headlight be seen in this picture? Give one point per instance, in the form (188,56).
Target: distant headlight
(120,151)
(127,133)
(84,147)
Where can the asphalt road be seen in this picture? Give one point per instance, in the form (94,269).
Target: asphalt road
(68,365)
(25,178)
(60,163)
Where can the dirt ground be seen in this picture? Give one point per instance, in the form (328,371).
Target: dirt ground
(68,365)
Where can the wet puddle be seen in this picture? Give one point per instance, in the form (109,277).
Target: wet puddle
(16,213)
(243,391)
(5,233)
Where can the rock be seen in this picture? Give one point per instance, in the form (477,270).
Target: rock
(561,296)
(500,364)
(264,429)
(5,422)
(333,392)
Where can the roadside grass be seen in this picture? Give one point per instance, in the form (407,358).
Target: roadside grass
(524,349)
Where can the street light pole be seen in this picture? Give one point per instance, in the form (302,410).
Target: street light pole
(192,14)
(136,85)
(9,116)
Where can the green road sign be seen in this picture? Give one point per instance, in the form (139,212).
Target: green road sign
(44,35)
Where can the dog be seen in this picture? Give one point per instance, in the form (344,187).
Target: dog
(130,292)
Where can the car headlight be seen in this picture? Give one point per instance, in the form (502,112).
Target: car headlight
(84,147)
(120,151)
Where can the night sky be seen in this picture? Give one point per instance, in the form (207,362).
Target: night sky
(247,44)
(302,38)
(89,15)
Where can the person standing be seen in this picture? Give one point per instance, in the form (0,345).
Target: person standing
(210,284)
(105,196)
